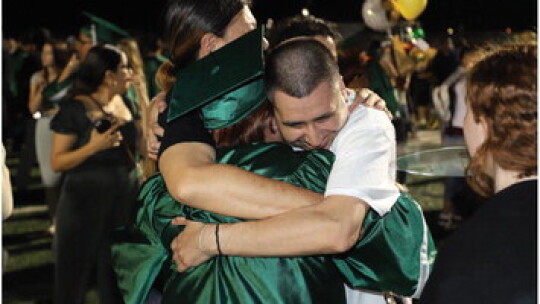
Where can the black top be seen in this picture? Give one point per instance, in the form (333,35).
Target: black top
(493,257)
(72,119)
(187,128)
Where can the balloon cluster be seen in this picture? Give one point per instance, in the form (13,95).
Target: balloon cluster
(405,51)
(381,15)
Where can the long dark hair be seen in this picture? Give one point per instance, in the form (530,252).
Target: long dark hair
(185,23)
(60,53)
(89,76)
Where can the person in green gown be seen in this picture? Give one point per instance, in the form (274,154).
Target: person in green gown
(154,232)
(312,279)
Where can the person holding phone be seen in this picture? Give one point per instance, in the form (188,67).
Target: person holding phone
(94,142)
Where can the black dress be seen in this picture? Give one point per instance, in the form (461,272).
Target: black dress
(97,196)
(493,257)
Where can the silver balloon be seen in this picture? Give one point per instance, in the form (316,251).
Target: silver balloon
(375,16)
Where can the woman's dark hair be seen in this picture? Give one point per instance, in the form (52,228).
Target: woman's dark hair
(89,76)
(60,54)
(185,23)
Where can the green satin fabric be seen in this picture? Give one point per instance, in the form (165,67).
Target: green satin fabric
(139,260)
(387,258)
(234,106)
(54,87)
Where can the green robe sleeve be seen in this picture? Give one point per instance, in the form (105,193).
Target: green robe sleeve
(395,252)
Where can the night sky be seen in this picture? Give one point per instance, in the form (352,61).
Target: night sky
(139,17)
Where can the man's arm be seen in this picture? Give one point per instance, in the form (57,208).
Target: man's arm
(189,171)
(330,227)
(193,177)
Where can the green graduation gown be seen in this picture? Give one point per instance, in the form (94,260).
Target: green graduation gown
(388,257)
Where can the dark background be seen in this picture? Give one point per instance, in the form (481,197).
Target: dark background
(140,16)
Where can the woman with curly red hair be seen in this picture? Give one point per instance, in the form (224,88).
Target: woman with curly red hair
(493,257)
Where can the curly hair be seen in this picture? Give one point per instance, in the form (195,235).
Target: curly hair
(502,91)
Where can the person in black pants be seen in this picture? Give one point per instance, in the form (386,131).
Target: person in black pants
(100,186)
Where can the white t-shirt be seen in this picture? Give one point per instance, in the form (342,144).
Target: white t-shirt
(365,165)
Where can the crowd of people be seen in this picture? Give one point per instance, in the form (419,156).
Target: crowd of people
(258,173)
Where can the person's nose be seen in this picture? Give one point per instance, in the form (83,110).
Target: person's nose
(312,137)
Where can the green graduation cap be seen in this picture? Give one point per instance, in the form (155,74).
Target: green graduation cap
(103,31)
(227,84)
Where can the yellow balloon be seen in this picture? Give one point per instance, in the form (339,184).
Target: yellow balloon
(410,9)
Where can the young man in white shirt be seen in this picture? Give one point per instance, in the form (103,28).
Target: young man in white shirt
(311,112)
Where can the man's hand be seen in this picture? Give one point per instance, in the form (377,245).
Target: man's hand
(369,99)
(188,246)
(157,105)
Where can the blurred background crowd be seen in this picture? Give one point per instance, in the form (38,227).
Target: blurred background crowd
(412,53)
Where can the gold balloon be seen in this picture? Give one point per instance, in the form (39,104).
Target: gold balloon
(410,9)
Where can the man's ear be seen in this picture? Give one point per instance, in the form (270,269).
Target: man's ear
(209,43)
(273,125)
(271,131)
(342,87)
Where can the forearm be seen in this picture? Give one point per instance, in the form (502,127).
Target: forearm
(63,161)
(34,101)
(189,172)
(66,72)
(330,227)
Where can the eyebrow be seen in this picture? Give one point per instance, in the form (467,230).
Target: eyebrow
(299,122)
(325,115)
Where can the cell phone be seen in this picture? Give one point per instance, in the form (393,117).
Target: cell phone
(102,125)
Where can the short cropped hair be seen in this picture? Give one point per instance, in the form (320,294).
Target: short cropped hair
(299,26)
(298,66)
